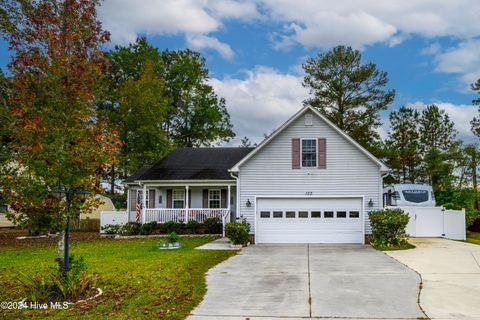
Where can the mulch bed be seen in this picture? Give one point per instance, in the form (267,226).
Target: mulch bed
(8,238)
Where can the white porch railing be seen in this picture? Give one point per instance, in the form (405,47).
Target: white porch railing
(184,215)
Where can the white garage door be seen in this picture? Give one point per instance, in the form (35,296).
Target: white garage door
(297,220)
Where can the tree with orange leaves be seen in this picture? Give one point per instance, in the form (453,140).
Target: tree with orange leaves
(56,136)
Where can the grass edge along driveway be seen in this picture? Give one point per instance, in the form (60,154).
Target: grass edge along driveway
(139,281)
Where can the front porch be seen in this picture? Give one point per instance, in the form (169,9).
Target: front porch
(182,202)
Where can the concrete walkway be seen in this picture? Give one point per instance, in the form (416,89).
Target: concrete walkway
(219,244)
(451,277)
(309,281)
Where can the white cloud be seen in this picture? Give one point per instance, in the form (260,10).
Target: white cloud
(432,49)
(126,19)
(462,60)
(324,23)
(460,114)
(199,42)
(230,9)
(328,29)
(262,101)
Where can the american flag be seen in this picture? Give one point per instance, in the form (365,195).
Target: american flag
(138,208)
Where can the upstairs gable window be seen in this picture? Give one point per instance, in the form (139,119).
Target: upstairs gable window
(309,153)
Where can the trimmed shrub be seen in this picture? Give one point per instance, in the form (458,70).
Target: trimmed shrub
(238,232)
(148,228)
(130,229)
(170,226)
(193,226)
(112,228)
(388,227)
(213,225)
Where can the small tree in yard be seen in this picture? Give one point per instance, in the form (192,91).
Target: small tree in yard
(388,227)
(57,136)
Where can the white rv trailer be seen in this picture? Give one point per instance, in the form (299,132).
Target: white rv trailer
(408,195)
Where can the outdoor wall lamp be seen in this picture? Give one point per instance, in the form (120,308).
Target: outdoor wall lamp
(248,204)
(370,203)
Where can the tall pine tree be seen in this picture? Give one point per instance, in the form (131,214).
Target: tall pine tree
(438,141)
(351,94)
(403,145)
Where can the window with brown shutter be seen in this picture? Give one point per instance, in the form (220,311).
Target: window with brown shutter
(169,198)
(133,200)
(296,153)
(151,198)
(322,153)
(224,198)
(205,198)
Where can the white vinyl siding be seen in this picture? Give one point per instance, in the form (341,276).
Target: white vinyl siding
(349,172)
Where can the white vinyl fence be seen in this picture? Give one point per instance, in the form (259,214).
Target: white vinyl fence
(112,217)
(435,222)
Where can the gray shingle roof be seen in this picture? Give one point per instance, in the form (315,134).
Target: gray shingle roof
(193,164)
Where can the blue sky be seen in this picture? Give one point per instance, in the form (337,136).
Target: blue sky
(255,48)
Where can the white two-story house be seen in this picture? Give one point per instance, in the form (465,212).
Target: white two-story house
(308,182)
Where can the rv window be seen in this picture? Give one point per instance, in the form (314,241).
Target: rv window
(416,196)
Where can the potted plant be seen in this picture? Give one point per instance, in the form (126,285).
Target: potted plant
(172,241)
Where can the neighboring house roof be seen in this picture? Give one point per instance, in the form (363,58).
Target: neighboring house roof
(272,136)
(193,164)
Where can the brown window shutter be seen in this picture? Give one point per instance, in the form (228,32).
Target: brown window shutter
(205,198)
(169,198)
(295,153)
(151,198)
(322,153)
(223,198)
(133,200)
(189,198)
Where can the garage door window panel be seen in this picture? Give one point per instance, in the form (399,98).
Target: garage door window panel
(328,214)
(341,214)
(316,214)
(278,214)
(264,214)
(309,153)
(354,214)
(303,214)
(290,214)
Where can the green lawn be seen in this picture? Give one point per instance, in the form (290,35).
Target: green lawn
(139,281)
(473,237)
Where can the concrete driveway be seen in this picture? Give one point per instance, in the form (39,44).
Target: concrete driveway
(308,281)
(451,277)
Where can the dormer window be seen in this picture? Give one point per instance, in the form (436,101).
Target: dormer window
(309,153)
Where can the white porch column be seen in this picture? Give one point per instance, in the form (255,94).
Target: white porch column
(144,203)
(228,207)
(228,198)
(187,204)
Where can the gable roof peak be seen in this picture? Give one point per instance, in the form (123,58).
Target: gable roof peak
(382,166)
